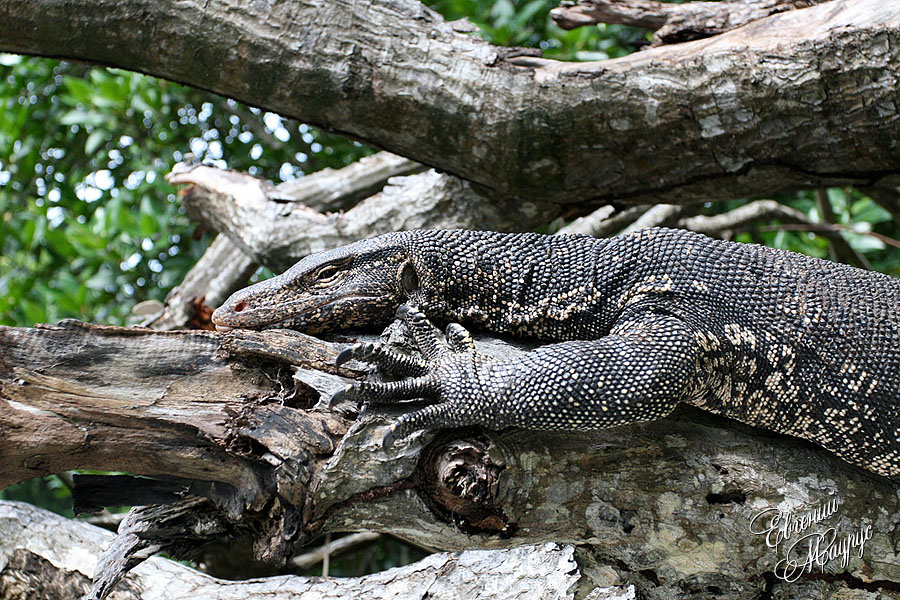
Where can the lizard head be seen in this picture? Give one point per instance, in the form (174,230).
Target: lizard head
(356,285)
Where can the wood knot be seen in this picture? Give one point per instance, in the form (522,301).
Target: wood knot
(458,481)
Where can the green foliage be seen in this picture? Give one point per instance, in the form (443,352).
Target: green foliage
(90,226)
(46,492)
(863,224)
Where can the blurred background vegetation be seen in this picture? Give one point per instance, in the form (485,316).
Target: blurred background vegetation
(90,227)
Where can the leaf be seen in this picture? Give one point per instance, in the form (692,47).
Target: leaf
(87,118)
(865,210)
(149,226)
(59,243)
(528,11)
(101,279)
(79,89)
(28,229)
(85,240)
(94,141)
(863,243)
(34,311)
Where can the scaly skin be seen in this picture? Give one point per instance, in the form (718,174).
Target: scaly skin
(774,339)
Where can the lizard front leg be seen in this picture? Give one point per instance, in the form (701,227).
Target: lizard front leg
(637,373)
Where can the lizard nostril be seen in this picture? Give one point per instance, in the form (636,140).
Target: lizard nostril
(240,306)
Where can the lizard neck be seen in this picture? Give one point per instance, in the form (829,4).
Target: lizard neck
(524,284)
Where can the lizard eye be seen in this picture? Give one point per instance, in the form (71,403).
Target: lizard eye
(327,272)
(409,281)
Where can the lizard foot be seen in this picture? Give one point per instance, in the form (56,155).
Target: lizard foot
(439,378)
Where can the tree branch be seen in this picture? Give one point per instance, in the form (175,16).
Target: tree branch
(239,440)
(674,23)
(605,221)
(221,270)
(725,225)
(278,234)
(224,267)
(778,104)
(310,559)
(661,215)
(44,555)
(340,189)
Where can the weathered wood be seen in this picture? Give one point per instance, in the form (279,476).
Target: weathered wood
(224,267)
(278,234)
(80,396)
(46,557)
(666,506)
(674,23)
(340,189)
(778,104)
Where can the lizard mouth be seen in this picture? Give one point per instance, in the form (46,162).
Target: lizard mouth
(289,319)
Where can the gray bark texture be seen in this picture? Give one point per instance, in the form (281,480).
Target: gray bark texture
(45,556)
(673,23)
(226,265)
(227,428)
(278,233)
(805,98)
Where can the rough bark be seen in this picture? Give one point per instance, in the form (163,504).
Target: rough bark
(238,448)
(674,23)
(277,234)
(339,189)
(784,102)
(46,557)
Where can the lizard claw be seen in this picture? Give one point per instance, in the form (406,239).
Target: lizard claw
(440,362)
(388,440)
(403,310)
(345,355)
(338,397)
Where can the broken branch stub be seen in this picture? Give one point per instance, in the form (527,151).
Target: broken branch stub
(278,234)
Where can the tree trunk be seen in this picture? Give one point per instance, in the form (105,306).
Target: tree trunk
(805,98)
(226,426)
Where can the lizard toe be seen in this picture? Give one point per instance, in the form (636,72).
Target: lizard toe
(423,332)
(385,358)
(338,397)
(391,392)
(388,440)
(459,338)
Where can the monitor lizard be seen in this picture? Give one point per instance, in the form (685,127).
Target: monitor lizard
(774,339)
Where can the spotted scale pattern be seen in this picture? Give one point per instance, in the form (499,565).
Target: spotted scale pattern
(774,339)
